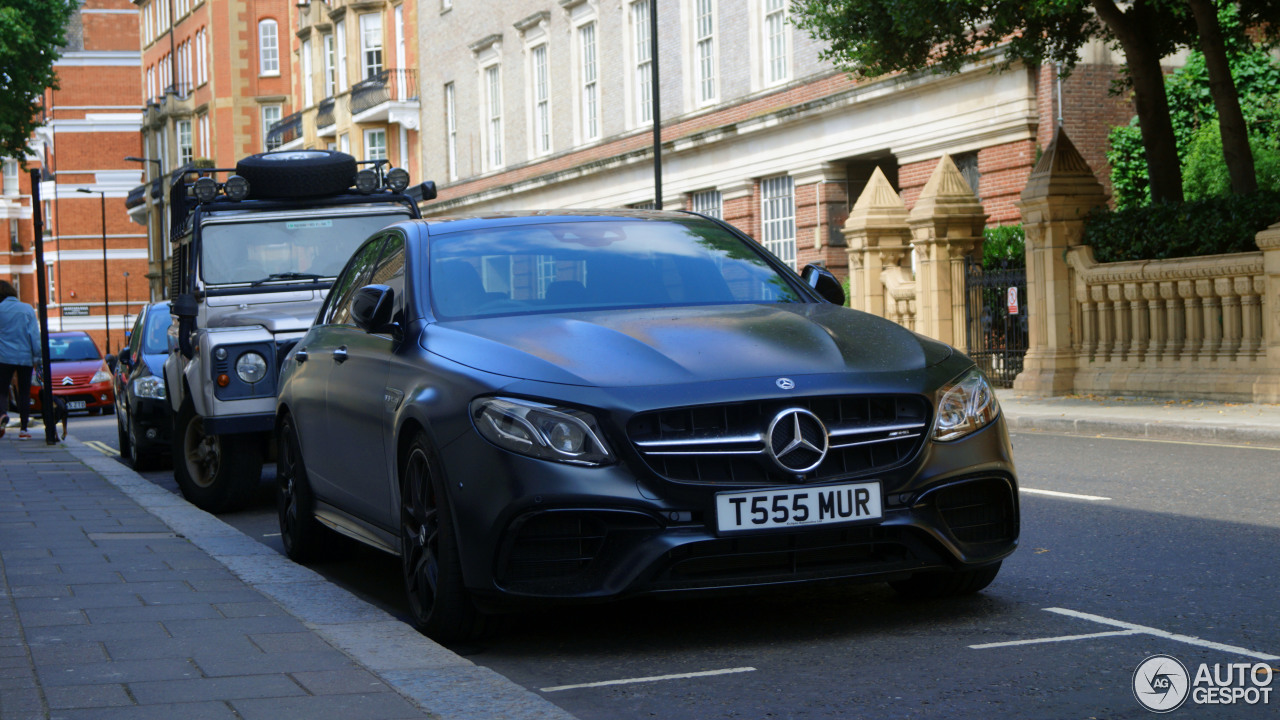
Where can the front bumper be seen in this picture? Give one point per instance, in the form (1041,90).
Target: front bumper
(96,396)
(152,421)
(573,533)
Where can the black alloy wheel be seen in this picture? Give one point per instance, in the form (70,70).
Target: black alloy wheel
(302,535)
(432,570)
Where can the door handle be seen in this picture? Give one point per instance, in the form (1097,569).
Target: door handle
(301,355)
(340,355)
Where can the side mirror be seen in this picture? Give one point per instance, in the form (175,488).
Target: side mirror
(826,284)
(112,361)
(185,308)
(371,308)
(125,358)
(429,190)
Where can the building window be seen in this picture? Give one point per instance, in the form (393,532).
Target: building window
(371,44)
(590,83)
(271,115)
(967,164)
(708,202)
(330,68)
(205,149)
(340,31)
(375,144)
(202,56)
(268,48)
(451,131)
(643,62)
(185,150)
(344,143)
(541,101)
(705,50)
(10,177)
(308,94)
(779,213)
(775,28)
(493,113)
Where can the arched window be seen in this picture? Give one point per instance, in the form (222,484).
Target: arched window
(268,48)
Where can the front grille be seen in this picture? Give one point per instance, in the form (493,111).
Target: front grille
(726,444)
(567,552)
(775,557)
(979,511)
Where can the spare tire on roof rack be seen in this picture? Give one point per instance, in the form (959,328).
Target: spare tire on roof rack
(297,173)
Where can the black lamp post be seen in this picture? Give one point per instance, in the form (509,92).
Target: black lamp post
(125,317)
(106,292)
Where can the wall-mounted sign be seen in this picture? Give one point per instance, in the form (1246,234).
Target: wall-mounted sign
(75,311)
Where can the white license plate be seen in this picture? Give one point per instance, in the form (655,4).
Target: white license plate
(798,507)
(75,404)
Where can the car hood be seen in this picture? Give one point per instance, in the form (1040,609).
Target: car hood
(59,369)
(275,317)
(629,348)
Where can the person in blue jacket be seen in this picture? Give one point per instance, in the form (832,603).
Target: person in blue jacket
(19,351)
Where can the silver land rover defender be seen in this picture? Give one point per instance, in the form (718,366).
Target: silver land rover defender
(254,254)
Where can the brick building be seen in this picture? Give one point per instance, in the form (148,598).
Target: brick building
(541,103)
(216,76)
(91,124)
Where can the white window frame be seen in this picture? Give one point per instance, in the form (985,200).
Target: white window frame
(11,178)
(267,121)
(205,140)
(186,141)
(641,95)
(372,150)
(491,105)
(451,129)
(202,56)
(706,86)
(707,202)
(330,67)
(778,217)
(340,32)
(540,99)
(268,48)
(344,143)
(372,57)
(587,65)
(308,89)
(775,45)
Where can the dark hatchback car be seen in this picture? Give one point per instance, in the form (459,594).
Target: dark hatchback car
(585,406)
(142,410)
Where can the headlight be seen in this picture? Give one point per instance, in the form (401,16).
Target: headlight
(251,367)
(967,404)
(103,375)
(541,431)
(149,386)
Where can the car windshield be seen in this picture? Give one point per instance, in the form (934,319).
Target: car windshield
(589,265)
(155,336)
(284,249)
(69,349)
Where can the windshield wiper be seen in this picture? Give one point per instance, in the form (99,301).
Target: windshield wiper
(286,276)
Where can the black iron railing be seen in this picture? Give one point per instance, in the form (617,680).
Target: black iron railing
(996,315)
(288,129)
(324,113)
(396,85)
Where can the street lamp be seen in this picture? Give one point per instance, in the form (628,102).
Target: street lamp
(106,294)
(124,319)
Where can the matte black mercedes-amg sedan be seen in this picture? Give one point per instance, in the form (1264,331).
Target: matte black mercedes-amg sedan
(590,405)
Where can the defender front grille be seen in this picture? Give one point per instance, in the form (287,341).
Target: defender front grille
(726,444)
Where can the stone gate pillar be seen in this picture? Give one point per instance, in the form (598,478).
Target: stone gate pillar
(946,226)
(1061,191)
(877,237)
(1267,388)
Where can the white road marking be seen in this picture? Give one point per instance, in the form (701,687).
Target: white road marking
(271,535)
(1129,629)
(1060,638)
(1055,493)
(655,678)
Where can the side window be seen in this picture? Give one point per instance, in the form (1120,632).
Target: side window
(390,272)
(338,311)
(135,335)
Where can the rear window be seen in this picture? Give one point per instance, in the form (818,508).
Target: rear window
(581,266)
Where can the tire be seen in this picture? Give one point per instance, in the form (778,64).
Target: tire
(140,458)
(439,604)
(945,583)
(122,436)
(303,536)
(297,173)
(216,473)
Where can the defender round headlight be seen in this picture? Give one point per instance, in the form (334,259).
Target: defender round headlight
(397,179)
(237,188)
(251,367)
(366,182)
(205,189)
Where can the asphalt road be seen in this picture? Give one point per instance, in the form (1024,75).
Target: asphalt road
(1149,548)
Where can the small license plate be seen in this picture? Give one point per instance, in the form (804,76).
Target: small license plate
(798,507)
(75,404)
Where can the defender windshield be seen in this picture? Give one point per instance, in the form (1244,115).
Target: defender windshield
(590,265)
(285,248)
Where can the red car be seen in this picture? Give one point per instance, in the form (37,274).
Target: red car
(79,374)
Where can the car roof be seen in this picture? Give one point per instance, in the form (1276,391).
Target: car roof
(444,225)
(71,333)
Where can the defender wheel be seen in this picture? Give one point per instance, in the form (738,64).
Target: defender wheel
(216,473)
(297,173)
(302,535)
(945,583)
(439,604)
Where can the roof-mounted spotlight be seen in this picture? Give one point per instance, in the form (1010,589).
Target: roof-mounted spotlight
(205,189)
(236,187)
(397,179)
(366,181)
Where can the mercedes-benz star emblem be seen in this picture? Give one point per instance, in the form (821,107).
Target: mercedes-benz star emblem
(68,381)
(786,383)
(797,441)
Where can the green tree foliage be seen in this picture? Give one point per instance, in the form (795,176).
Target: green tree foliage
(31,34)
(1212,226)
(1003,244)
(1195,127)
